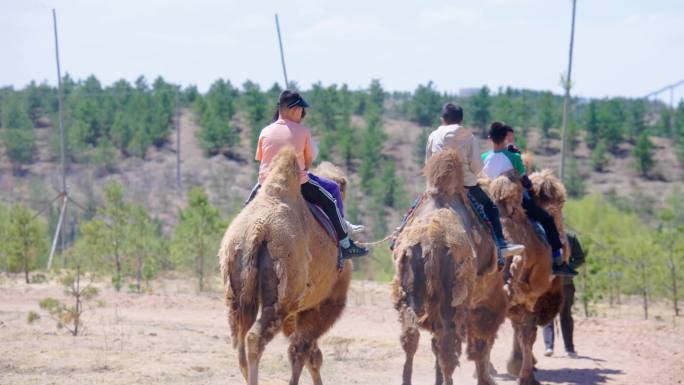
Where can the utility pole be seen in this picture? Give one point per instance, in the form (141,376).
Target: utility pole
(63,195)
(567,83)
(178,146)
(282,55)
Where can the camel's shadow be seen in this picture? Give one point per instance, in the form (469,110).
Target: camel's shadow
(577,376)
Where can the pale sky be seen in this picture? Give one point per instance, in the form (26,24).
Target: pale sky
(622,47)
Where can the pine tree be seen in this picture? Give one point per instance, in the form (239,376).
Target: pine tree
(643,154)
(195,238)
(19,137)
(574,181)
(372,139)
(546,114)
(480,105)
(26,240)
(599,157)
(592,124)
(425,105)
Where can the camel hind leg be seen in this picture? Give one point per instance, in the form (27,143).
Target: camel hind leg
(270,320)
(411,278)
(311,325)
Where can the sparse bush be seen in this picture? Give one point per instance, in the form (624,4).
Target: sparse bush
(32,317)
(69,317)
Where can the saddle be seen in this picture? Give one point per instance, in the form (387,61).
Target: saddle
(323,221)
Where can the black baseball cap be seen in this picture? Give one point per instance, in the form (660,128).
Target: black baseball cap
(291,99)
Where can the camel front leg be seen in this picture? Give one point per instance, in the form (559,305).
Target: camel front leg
(527,336)
(479,349)
(515,360)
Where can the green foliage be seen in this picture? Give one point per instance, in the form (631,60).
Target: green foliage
(643,154)
(69,317)
(547,114)
(425,106)
(670,237)
(256,105)
(18,137)
(197,235)
(626,256)
(480,105)
(216,110)
(372,140)
(574,181)
(25,240)
(599,157)
(420,148)
(32,317)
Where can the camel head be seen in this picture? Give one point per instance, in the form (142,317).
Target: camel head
(506,191)
(283,178)
(332,172)
(444,174)
(550,194)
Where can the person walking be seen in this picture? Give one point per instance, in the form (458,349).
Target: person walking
(577,258)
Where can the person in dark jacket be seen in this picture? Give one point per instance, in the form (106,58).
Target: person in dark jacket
(577,257)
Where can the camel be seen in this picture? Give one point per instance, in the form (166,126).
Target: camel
(446,279)
(279,269)
(534,298)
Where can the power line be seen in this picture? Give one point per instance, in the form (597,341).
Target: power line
(668,87)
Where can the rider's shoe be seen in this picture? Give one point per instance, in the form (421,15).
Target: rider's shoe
(353,251)
(354,228)
(563,270)
(511,249)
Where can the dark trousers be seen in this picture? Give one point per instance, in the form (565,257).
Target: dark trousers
(566,322)
(545,219)
(316,194)
(490,210)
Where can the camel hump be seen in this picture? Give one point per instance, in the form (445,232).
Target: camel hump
(547,187)
(506,189)
(444,173)
(283,177)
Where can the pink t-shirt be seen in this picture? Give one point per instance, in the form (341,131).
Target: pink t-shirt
(278,135)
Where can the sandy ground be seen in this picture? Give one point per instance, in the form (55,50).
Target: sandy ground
(174,336)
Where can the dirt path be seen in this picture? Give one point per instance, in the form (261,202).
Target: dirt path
(177,337)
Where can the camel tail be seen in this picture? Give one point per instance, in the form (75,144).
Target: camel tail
(240,270)
(449,269)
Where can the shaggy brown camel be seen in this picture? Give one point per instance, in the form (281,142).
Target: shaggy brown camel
(277,259)
(446,280)
(534,298)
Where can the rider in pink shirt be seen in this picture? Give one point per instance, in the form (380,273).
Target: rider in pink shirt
(287,130)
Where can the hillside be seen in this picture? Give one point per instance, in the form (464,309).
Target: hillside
(227,180)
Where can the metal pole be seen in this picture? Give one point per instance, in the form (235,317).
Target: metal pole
(178,146)
(282,55)
(566,101)
(61,103)
(57,231)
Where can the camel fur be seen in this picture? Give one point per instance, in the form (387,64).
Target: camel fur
(534,298)
(446,280)
(279,274)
